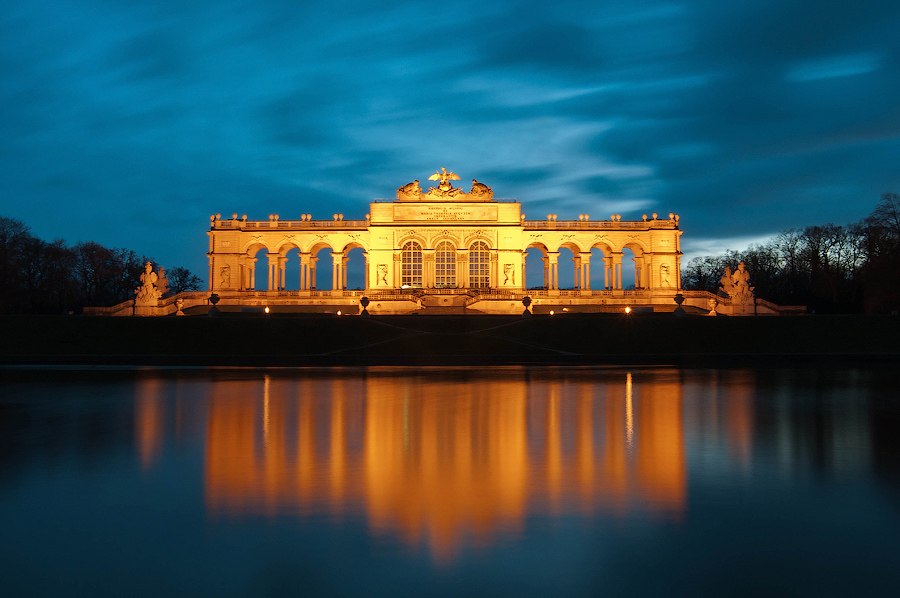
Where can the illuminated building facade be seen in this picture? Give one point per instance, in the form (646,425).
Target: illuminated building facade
(445,246)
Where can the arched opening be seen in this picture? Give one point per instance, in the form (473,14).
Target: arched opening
(260,269)
(479,265)
(411,265)
(628,268)
(566,269)
(598,269)
(292,270)
(445,265)
(535,272)
(633,267)
(321,269)
(356,268)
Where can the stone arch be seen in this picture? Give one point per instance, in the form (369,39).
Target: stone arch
(638,275)
(445,264)
(535,257)
(355,265)
(286,245)
(566,273)
(318,245)
(477,236)
(411,235)
(601,264)
(257,268)
(411,264)
(253,246)
(320,266)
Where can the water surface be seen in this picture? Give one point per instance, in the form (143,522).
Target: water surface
(379,481)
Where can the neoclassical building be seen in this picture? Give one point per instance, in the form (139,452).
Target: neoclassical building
(445,241)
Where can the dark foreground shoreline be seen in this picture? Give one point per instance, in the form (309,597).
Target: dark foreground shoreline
(473,340)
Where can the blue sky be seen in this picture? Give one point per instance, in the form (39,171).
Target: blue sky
(129,123)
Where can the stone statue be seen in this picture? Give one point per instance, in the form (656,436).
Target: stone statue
(179,306)
(737,284)
(445,177)
(410,191)
(225,276)
(162,283)
(148,293)
(445,188)
(664,275)
(480,191)
(382,274)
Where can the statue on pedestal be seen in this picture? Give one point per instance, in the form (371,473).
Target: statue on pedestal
(737,284)
(148,293)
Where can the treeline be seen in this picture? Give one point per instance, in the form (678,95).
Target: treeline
(829,268)
(37,277)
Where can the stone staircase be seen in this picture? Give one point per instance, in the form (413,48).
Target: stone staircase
(444,304)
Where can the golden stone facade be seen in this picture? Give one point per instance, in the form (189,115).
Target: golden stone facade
(448,242)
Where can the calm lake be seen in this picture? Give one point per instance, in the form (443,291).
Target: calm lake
(475,482)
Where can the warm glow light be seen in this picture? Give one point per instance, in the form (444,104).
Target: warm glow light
(551,312)
(627,310)
(267,309)
(339,312)
(423,469)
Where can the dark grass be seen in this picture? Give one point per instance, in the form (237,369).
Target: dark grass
(327,340)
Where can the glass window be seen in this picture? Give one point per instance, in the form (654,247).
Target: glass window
(445,265)
(411,265)
(479,265)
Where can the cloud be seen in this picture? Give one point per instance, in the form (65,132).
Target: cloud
(744,118)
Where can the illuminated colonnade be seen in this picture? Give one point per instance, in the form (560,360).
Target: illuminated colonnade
(444,239)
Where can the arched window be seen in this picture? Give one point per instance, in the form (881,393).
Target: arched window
(479,265)
(411,265)
(445,265)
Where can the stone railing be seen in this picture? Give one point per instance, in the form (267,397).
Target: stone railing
(290,224)
(597,224)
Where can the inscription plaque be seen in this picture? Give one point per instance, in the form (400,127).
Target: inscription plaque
(443,212)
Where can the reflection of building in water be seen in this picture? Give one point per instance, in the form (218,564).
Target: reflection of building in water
(148,420)
(443,462)
(720,418)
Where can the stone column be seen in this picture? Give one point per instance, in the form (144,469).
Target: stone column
(273,271)
(677,272)
(428,268)
(639,272)
(522,281)
(337,276)
(607,272)
(312,272)
(546,261)
(586,271)
(344,273)
(251,273)
(282,273)
(462,269)
(617,270)
(398,269)
(576,261)
(365,270)
(304,272)
(494,269)
(553,257)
